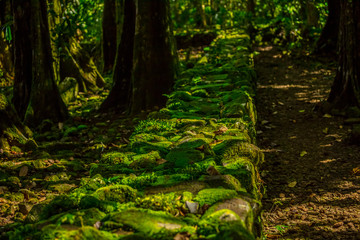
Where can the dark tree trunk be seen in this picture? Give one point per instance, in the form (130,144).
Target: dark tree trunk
(36,95)
(119,97)
(327,43)
(200,9)
(109,33)
(154,55)
(23,56)
(6,49)
(345,91)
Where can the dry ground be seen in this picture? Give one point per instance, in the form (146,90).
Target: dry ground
(310,173)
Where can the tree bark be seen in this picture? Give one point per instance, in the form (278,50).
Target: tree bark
(154,55)
(36,95)
(327,43)
(23,56)
(200,9)
(345,91)
(109,34)
(119,97)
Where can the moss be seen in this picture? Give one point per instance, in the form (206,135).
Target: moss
(154,126)
(141,147)
(59,204)
(161,202)
(234,148)
(147,160)
(213,195)
(147,137)
(183,157)
(117,193)
(53,231)
(154,224)
(116,158)
(14,197)
(225,181)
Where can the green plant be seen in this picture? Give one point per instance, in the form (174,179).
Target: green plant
(281,229)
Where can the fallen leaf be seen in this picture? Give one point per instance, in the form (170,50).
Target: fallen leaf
(303,153)
(301,111)
(327,115)
(326,130)
(292,184)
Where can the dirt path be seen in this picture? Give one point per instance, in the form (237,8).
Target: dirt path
(312,186)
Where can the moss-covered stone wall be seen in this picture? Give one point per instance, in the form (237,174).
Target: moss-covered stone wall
(190,171)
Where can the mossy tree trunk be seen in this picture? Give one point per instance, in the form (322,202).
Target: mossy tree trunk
(33,49)
(345,91)
(77,63)
(327,43)
(155,59)
(119,97)
(12,131)
(6,49)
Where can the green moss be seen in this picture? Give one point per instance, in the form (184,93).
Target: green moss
(14,197)
(163,202)
(116,158)
(154,126)
(154,224)
(183,157)
(213,195)
(147,160)
(59,204)
(117,193)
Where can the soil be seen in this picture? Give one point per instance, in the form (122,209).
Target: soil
(311,171)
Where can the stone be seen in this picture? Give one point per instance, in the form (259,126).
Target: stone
(192,206)
(25,208)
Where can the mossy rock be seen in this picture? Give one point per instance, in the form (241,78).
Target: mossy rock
(147,137)
(212,195)
(141,147)
(153,224)
(107,169)
(225,181)
(116,193)
(224,224)
(53,231)
(115,157)
(234,148)
(181,157)
(59,204)
(147,160)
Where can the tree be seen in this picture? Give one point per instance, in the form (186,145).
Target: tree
(329,35)
(146,61)
(36,96)
(345,91)
(109,33)
(155,57)
(119,97)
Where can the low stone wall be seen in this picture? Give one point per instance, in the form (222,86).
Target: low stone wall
(190,170)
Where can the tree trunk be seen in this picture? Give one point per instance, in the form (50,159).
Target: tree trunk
(109,34)
(155,64)
(6,49)
(54,9)
(12,131)
(77,63)
(119,97)
(23,56)
(345,91)
(327,43)
(33,49)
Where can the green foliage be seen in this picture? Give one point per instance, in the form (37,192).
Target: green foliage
(154,126)
(161,202)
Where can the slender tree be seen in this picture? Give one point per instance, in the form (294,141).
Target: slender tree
(119,97)
(345,91)
(36,96)
(327,42)
(109,34)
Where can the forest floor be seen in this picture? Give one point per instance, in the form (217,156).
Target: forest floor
(311,171)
